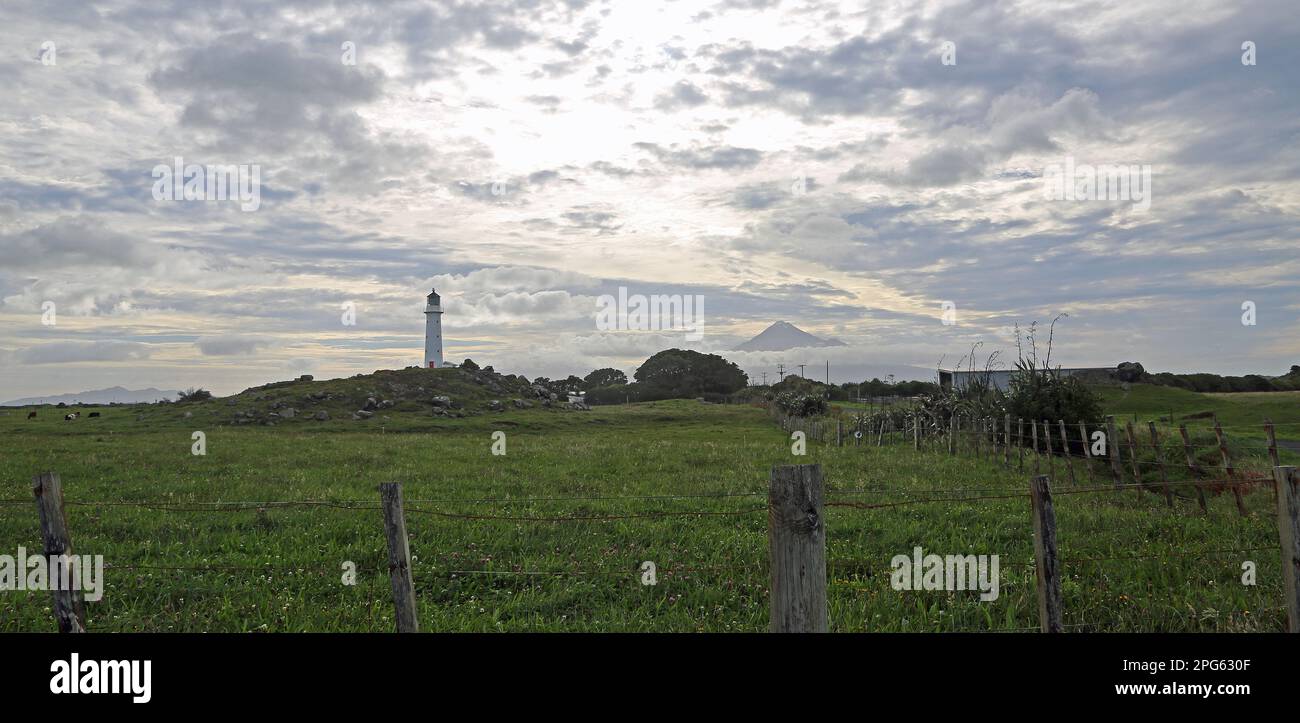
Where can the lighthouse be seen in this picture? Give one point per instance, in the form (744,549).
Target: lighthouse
(432,331)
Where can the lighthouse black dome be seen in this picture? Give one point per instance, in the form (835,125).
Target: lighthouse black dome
(432,297)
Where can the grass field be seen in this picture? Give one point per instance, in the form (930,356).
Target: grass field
(182,567)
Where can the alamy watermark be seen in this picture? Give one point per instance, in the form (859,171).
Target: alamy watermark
(1069,181)
(637,312)
(946,572)
(193,182)
(53,572)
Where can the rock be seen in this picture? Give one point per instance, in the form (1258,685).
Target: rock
(521,403)
(363,414)
(496,405)
(189,414)
(306,378)
(319,395)
(288,412)
(370,403)
(442,401)
(386,404)
(579,406)
(272,416)
(554,397)
(322,416)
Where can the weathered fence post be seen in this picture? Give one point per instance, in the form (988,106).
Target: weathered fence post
(1065,450)
(56,544)
(1160,462)
(1191,467)
(399,557)
(1047,565)
(796,540)
(1288,527)
(1227,467)
(1006,439)
(1112,450)
(1020,442)
(952,434)
(916,432)
(1033,427)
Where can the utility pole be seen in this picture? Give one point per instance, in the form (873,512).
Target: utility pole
(780,369)
(764,378)
(801,366)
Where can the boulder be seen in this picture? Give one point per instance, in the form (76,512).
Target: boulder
(288,412)
(441,401)
(496,405)
(322,416)
(371,403)
(306,378)
(363,414)
(521,403)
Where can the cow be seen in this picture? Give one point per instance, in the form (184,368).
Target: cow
(31,415)
(70,417)
(94,414)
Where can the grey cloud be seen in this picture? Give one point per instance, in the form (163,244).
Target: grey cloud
(80,351)
(704,158)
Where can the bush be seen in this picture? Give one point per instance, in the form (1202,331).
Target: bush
(194,395)
(801,405)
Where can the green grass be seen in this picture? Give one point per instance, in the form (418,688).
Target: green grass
(712,570)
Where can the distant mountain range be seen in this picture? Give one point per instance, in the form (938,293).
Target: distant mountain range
(119,395)
(782,336)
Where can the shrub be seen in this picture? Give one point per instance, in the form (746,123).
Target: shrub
(801,405)
(194,395)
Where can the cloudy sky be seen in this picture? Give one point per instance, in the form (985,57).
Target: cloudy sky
(845,169)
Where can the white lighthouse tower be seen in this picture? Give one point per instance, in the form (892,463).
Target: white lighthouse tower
(432,331)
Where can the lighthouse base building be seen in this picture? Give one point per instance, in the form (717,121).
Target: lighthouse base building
(432,331)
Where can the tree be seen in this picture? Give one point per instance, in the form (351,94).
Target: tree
(676,373)
(606,377)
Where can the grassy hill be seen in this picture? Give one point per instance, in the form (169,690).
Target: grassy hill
(411,399)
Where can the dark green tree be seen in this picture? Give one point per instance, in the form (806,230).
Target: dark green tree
(678,373)
(606,377)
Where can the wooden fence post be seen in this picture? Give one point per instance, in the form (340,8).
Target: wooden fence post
(796,541)
(1006,439)
(56,543)
(1160,462)
(1191,467)
(1020,442)
(1227,467)
(1047,565)
(1065,450)
(1112,450)
(1033,427)
(399,557)
(1288,526)
(952,434)
(839,433)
